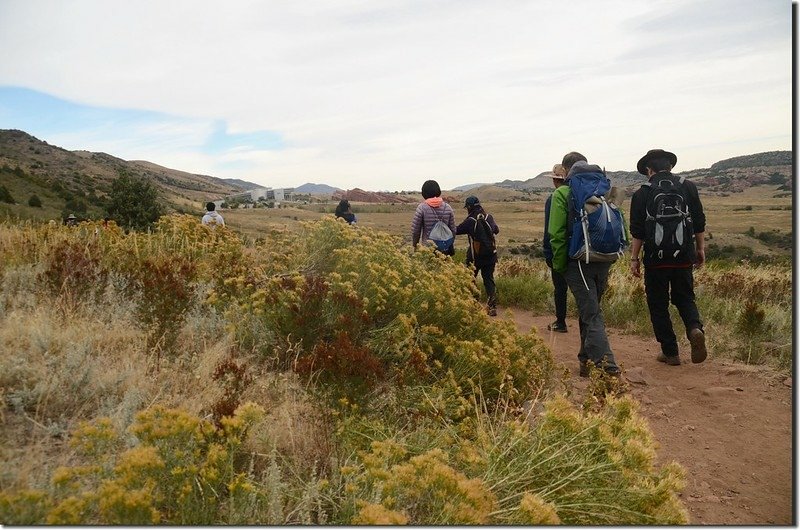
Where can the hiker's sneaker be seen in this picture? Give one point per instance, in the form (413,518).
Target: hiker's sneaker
(584,370)
(698,341)
(558,327)
(492,312)
(672,360)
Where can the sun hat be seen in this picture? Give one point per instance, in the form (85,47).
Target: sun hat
(641,166)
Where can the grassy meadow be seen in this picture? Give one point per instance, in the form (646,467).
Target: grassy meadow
(290,369)
(729,217)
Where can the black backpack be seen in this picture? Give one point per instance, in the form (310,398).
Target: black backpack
(669,234)
(482,240)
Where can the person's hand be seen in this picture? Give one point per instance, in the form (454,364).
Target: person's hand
(701,258)
(635,268)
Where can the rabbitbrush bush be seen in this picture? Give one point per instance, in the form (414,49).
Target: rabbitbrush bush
(383,393)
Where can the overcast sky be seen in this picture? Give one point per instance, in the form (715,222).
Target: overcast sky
(384,94)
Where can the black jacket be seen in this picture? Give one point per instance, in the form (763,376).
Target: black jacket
(468,226)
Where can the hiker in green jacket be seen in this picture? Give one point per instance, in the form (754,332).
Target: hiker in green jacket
(587,281)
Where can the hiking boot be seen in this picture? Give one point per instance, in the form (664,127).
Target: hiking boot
(558,327)
(584,370)
(491,311)
(672,360)
(698,341)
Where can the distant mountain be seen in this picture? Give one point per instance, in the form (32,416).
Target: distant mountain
(316,189)
(80,181)
(467,187)
(242,184)
(730,175)
(767,159)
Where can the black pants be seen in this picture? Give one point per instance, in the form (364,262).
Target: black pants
(676,285)
(559,296)
(486,268)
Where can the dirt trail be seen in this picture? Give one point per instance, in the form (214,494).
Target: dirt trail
(729,425)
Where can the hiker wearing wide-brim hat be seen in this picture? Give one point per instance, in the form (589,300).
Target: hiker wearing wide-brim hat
(559,283)
(654,154)
(667,222)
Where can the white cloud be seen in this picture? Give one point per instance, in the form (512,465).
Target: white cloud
(386,94)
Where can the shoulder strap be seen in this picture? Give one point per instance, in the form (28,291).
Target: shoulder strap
(435,212)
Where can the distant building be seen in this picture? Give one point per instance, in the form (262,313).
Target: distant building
(266,194)
(258,193)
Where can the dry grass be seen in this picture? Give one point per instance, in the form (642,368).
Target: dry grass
(522,222)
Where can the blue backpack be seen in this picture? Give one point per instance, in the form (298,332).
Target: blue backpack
(597,231)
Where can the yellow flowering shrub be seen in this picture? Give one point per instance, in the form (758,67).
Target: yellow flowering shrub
(367,308)
(582,468)
(420,490)
(182,472)
(378,514)
(533,510)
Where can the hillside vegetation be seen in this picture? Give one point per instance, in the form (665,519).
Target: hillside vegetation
(329,376)
(79,181)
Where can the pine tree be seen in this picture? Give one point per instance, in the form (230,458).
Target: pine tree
(133,203)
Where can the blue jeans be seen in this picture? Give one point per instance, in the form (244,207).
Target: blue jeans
(588,282)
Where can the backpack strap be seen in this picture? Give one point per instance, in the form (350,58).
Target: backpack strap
(435,213)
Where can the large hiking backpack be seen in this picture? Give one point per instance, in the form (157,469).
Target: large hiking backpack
(597,232)
(669,233)
(441,235)
(482,240)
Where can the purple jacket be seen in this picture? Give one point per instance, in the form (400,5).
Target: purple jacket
(426,216)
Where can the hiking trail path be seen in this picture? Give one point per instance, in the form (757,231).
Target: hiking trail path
(728,424)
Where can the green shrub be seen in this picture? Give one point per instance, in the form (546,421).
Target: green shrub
(5,195)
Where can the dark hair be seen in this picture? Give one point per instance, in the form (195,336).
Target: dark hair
(342,207)
(661,163)
(431,189)
(570,159)
(210,206)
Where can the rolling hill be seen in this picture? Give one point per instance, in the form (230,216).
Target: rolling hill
(731,175)
(79,181)
(316,189)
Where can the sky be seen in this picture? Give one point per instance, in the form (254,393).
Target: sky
(385,94)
